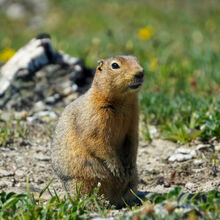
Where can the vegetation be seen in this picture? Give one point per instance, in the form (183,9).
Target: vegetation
(11,130)
(172,205)
(177,42)
(26,206)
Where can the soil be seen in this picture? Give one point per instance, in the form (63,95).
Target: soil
(30,156)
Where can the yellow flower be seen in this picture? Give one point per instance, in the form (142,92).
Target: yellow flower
(153,64)
(146,33)
(6,54)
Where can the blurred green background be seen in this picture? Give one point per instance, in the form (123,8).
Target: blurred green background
(177,42)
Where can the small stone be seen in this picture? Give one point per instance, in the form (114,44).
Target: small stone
(5,183)
(182,154)
(67,91)
(44,115)
(153,131)
(150,170)
(74,87)
(49,114)
(217,147)
(19,173)
(180,157)
(31,118)
(42,157)
(183,150)
(5,173)
(205,147)
(39,106)
(53,99)
(190,185)
(78,68)
(198,162)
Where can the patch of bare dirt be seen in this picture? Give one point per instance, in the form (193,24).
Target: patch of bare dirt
(157,172)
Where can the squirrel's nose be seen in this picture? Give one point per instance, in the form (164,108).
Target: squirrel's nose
(139,75)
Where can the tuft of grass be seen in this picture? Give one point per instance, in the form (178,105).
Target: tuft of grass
(178,205)
(183,117)
(172,205)
(26,206)
(11,130)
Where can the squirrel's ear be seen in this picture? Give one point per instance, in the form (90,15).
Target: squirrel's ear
(100,64)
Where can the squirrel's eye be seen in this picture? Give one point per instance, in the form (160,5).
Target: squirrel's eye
(115,66)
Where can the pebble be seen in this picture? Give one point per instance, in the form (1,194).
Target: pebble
(42,157)
(198,162)
(19,173)
(53,99)
(183,150)
(67,91)
(190,185)
(39,106)
(205,147)
(5,183)
(182,154)
(74,87)
(153,131)
(49,114)
(41,115)
(217,147)
(5,173)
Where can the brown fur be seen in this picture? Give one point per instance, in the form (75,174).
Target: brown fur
(96,137)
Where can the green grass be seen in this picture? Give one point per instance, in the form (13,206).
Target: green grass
(26,206)
(172,205)
(178,205)
(11,130)
(181,95)
(181,59)
(184,117)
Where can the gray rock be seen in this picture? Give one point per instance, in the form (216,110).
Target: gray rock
(5,173)
(39,106)
(190,185)
(49,114)
(20,173)
(198,162)
(183,150)
(217,147)
(43,115)
(5,183)
(182,154)
(39,73)
(41,157)
(52,99)
(153,131)
(205,147)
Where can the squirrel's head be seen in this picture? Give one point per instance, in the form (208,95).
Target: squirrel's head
(121,74)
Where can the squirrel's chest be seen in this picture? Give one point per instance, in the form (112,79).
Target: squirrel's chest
(116,125)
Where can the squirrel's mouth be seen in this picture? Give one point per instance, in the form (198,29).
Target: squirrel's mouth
(136,84)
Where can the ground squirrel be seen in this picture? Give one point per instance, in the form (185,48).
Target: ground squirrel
(96,137)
